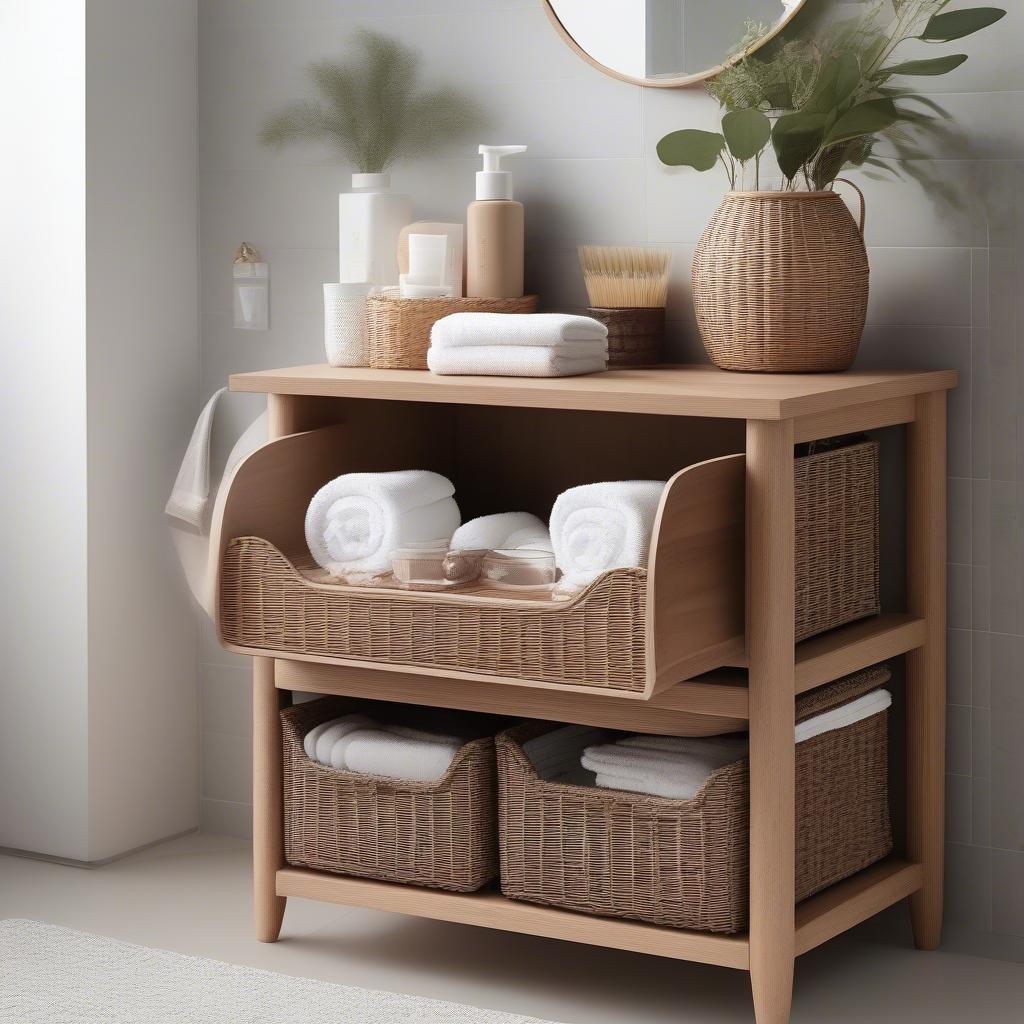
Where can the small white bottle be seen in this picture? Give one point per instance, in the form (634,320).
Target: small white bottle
(251,290)
(369,220)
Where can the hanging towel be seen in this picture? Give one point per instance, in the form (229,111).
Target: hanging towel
(399,757)
(486,533)
(191,493)
(356,521)
(597,527)
(536,330)
(516,361)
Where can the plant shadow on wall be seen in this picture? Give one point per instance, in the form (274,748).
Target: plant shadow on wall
(373,109)
(780,278)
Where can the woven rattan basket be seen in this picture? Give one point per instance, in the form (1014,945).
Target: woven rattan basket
(437,834)
(780,283)
(684,863)
(398,330)
(276,602)
(636,336)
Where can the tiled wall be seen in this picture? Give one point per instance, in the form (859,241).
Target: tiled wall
(946,291)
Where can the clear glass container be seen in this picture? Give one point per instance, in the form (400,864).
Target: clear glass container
(519,569)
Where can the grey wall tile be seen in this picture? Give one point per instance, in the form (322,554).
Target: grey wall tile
(920,287)
(981,676)
(1007,579)
(958,583)
(981,399)
(958,666)
(1008,891)
(958,497)
(981,817)
(958,741)
(968,887)
(981,522)
(959,823)
(1007,750)
(981,743)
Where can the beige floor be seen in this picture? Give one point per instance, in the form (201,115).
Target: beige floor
(191,895)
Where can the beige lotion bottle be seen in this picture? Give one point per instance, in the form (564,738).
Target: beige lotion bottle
(494,231)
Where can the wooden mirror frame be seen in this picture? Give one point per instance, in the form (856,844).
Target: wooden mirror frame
(681,80)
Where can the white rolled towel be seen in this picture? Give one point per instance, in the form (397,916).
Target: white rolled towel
(399,757)
(660,773)
(347,724)
(356,521)
(543,330)
(519,361)
(500,530)
(597,527)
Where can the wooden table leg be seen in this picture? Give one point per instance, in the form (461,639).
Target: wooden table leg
(770,630)
(267,822)
(926,666)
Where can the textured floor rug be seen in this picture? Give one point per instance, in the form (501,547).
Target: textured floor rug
(52,975)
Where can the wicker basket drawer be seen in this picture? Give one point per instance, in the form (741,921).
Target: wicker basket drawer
(438,834)
(684,863)
(632,631)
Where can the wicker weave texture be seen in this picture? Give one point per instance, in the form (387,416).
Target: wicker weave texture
(837,560)
(437,834)
(598,639)
(684,863)
(780,283)
(398,330)
(636,336)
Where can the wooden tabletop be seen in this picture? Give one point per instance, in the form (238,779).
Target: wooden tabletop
(668,390)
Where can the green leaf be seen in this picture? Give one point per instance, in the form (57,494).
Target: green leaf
(864,119)
(935,66)
(796,138)
(746,132)
(691,147)
(944,28)
(836,82)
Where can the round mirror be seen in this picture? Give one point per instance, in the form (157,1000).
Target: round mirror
(667,43)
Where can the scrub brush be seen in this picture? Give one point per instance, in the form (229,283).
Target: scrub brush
(628,288)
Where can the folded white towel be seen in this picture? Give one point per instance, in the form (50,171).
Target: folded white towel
(653,785)
(495,531)
(336,730)
(309,741)
(557,753)
(849,714)
(597,527)
(519,361)
(398,757)
(550,330)
(729,748)
(356,521)
(659,773)
(191,494)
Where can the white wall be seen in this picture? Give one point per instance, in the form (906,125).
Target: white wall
(947,289)
(98,741)
(142,369)
(42,460)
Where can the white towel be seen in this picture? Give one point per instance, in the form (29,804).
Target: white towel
(660,773)
(516,361)
(356,521)
(310,740)
(398,757)
(191,492)
(597,527)
(849,714)
(729,748)
(556,754)
(543,330)
(496,531)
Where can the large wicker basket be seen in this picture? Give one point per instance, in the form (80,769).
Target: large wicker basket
(398,330)
(270,602)
(437,834)
(685,863)
(780,283)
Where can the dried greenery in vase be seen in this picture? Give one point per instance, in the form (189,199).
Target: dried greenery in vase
(373,111)
(824,101)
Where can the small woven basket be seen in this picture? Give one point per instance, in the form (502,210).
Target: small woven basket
(685,863)
(780,283)
(398,330)
(442,834)
(636,336)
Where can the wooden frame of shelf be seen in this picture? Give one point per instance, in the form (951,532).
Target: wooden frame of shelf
(778,411)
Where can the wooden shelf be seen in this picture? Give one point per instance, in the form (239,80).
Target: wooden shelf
(669,390)
(708,705)
(818,919)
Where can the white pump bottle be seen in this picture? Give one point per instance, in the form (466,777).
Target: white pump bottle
(495,231)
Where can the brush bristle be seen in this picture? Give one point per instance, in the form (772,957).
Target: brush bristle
(621,277)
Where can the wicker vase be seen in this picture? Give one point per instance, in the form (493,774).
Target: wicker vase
(780,283)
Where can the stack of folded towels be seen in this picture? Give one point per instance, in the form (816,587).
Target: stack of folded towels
(356,743)
(676,767)
(518,345)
